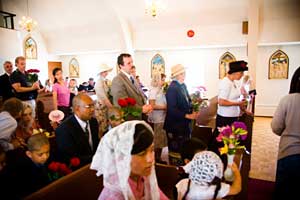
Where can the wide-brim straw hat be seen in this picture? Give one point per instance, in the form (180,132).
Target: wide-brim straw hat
(56,116)
(176,70)
(104,68)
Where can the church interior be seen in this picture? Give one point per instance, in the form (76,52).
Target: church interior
(201,38)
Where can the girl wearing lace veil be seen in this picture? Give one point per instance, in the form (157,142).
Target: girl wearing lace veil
(205,179)
(125,157)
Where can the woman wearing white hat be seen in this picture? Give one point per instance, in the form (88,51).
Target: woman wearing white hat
(179,114)
(103,103)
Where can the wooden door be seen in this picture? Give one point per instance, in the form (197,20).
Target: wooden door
(51,66)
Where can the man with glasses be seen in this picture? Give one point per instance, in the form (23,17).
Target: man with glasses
(77,136)
(6,91)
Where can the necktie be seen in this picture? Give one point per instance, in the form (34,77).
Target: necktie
(86,130)
(132,80)
(87,135)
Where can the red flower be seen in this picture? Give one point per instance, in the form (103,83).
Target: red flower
(33,71)
(131,101)
(63,169)
(122,102)
(53,166)
(75,162)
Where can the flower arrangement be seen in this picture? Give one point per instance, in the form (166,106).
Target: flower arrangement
(199,99)
(32,76)
(128,108)
(231,136)
(58,170)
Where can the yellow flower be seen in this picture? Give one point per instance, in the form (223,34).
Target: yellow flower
(35,131)
(224,149)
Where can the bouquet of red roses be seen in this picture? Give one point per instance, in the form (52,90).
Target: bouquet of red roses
(128,108)
(58,170)
(32,76)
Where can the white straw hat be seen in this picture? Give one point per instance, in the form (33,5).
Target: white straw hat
(176,70)
(104,67)
(56,115)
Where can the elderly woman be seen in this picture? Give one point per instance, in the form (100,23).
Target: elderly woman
(179,114)
(103,103)
(157,100)
(125,157)
(229,103)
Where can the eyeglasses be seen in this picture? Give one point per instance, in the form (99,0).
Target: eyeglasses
(90,106)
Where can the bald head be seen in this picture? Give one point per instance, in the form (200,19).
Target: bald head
(83,106)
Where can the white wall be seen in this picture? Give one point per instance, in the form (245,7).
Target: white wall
(12,45)
(202,65)
(271,91)
(89,63)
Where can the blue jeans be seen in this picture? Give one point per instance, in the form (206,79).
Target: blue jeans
(287,177)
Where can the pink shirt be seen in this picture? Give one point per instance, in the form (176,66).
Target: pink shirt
(63,94)
(137,189)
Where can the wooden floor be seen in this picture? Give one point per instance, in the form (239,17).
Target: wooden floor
(264,150)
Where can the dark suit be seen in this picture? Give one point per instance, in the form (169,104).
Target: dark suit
(72,142)
(6,90)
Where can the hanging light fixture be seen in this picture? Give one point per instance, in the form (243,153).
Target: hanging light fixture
(154,6)
(27,23)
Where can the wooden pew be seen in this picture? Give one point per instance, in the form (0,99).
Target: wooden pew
(44,105)
(204,133)
(81,184)
(167,177)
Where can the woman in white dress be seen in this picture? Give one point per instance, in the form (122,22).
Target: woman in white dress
(157,100)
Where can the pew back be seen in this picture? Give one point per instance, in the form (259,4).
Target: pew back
(81,184)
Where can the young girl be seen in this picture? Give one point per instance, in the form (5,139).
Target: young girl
(125,157)
(205,175)
(61,93)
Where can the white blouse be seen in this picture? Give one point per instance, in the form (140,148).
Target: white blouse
(230,91)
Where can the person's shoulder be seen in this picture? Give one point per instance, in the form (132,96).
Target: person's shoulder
(67,124)
(118,77)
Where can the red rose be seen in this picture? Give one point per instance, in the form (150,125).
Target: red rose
(122,102)
(29,71)
(36,70)
(75,162)
(53,166)
(131,101)
(63,169)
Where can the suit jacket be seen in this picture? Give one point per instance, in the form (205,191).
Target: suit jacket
(6,90)
(177,107)
(122,87)
(71,140)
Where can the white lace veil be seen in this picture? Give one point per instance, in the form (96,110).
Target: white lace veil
(113,157)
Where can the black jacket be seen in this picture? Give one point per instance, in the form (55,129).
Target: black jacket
(71,140)
(6,90)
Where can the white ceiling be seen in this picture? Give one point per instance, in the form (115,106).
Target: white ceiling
(98,24)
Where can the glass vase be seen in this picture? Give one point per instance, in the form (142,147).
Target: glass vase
(228,174)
